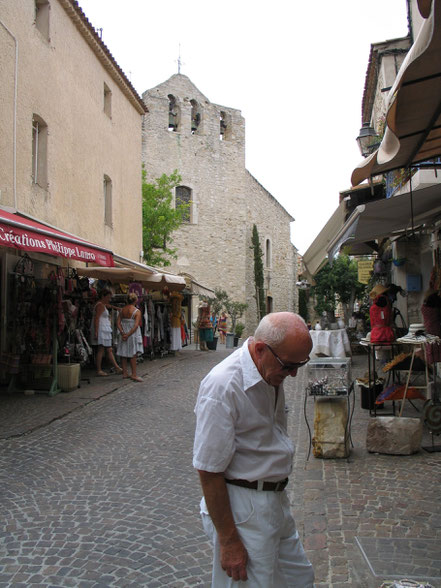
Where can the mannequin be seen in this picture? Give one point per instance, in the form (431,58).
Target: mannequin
(176,309)
(381,315)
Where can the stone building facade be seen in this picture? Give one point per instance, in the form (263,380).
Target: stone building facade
(205,142)
(70,126)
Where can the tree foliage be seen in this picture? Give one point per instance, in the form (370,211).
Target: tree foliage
(221,301)
(217,303)
(258,274)
(235,310)
(160,218)
(337,282)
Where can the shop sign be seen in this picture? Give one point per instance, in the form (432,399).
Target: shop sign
(365,269)
(11,236)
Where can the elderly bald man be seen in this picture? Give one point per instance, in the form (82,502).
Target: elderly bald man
(244,456)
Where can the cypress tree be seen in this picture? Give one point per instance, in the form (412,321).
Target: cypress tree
(258,274)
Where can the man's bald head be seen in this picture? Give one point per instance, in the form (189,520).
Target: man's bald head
(275,327)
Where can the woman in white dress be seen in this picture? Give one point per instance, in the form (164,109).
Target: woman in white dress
(130,343)
(102,332)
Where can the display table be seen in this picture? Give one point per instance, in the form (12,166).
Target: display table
(374,386)
(331,343)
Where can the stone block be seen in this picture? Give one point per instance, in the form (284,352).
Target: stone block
(394,435)
(330,418)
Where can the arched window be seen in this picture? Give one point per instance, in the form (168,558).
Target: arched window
(269,304)
(39,151)
(224,126)
(183,196)
(195,116)
(173,113)
(268,253)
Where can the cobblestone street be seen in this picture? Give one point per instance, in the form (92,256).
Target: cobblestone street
(98,488)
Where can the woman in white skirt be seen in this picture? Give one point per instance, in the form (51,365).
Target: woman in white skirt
(130,343)
(101,332)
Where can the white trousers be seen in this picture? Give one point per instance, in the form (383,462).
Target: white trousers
(275,553)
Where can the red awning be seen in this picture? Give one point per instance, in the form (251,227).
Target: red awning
(28,235)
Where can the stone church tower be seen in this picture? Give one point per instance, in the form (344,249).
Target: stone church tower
(205,142)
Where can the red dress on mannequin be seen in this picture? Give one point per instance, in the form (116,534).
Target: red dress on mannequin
(381,317)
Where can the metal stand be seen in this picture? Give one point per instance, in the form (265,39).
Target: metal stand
(348,436)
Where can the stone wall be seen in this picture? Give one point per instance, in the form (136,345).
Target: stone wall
(273,225)
(214,247)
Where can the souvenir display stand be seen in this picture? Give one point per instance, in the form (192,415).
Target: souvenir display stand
(49,315)
(425,372)
(371,389)
(30,357)
(402,365)
(329,385)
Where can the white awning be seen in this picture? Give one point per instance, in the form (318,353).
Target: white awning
(413,119)
(387,218)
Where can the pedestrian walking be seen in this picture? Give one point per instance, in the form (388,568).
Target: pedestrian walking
(244,457)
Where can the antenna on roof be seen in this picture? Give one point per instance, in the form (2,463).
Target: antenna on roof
(178,61)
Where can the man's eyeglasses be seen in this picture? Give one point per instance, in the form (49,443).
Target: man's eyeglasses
(288,367)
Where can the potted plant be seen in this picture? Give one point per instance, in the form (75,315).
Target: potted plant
(238,330)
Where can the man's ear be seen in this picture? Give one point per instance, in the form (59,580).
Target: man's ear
(259,347)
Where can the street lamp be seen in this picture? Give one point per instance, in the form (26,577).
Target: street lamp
(367,140)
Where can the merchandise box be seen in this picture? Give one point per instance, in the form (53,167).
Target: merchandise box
(328,376)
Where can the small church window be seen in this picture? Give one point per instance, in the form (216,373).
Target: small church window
(173,113)
(268,253)
(195,116)
(183,196)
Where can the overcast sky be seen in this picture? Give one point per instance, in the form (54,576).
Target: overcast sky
(295,69)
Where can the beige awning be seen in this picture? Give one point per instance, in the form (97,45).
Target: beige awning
(116,275)
(159,281)
(387,218)
(150,280)
(413,119)
(317,253)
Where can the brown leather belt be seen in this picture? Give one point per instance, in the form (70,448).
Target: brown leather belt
(259,485)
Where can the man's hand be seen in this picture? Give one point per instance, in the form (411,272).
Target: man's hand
(234,558)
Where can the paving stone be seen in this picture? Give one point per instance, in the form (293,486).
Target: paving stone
(106,495)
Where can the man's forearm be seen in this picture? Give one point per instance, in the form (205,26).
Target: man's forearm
(218,505)
(233,554)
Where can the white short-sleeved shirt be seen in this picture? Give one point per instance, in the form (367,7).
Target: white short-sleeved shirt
(239,430)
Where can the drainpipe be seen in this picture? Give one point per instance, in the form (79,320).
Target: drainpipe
(14,155)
